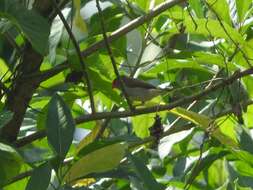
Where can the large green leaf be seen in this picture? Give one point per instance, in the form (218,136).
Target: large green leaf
(142,123)
(100,160)
(221,9)
(60,126)
(10,163)
(197,6)
(243,8)
(206,124)
(144,174)
(35,27)
(244,181)
(5,117)
(205,163)
(211,27)
(40,178)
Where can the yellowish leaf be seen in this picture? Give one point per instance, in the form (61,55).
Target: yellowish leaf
(100,160)
(206,124)
(78,20)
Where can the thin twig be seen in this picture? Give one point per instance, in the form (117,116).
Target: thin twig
(111,56)
(30,138)
(229,36)
(76,45)
(197,164)
(195,101)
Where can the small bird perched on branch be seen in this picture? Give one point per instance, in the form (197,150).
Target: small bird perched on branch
(138,90)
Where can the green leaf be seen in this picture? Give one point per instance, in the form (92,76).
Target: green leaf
(205,162)
(197,6)
(78,20)
(88,139)
(144,174)
(179,167)
(5,117)
(10,163)
(210,27)
(55,37)
(4,72)
(221,9)
(244,181)
(60,126)
(84,149)
(206,124)
(177,64)
(35,27)
(104,85)
(245,141)
(100,160)
(243,9)
(142,123)
(40,178)
(112,19)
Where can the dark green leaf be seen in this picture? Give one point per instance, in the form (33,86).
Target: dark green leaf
(34,26)
(60,126)
(144,174)
(40,178)
(5,117)
(10,163)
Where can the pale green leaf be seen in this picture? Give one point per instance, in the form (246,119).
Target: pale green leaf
(78,20)
(100,160)
(206,124)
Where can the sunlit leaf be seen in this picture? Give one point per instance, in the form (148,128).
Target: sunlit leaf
(206,124)
(99,160)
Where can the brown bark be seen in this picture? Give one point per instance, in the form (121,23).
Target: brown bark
(22,91)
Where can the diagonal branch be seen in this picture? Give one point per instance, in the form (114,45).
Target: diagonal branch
(76,45)
(128,27)
(132,25)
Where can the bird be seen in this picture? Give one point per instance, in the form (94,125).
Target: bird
(138,90)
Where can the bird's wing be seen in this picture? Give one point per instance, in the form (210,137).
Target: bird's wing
(133,83)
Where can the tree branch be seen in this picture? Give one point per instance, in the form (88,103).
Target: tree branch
(188,99)
(127,28)
(132,25)
(110,115)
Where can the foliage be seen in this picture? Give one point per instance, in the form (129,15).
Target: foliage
(58,61)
